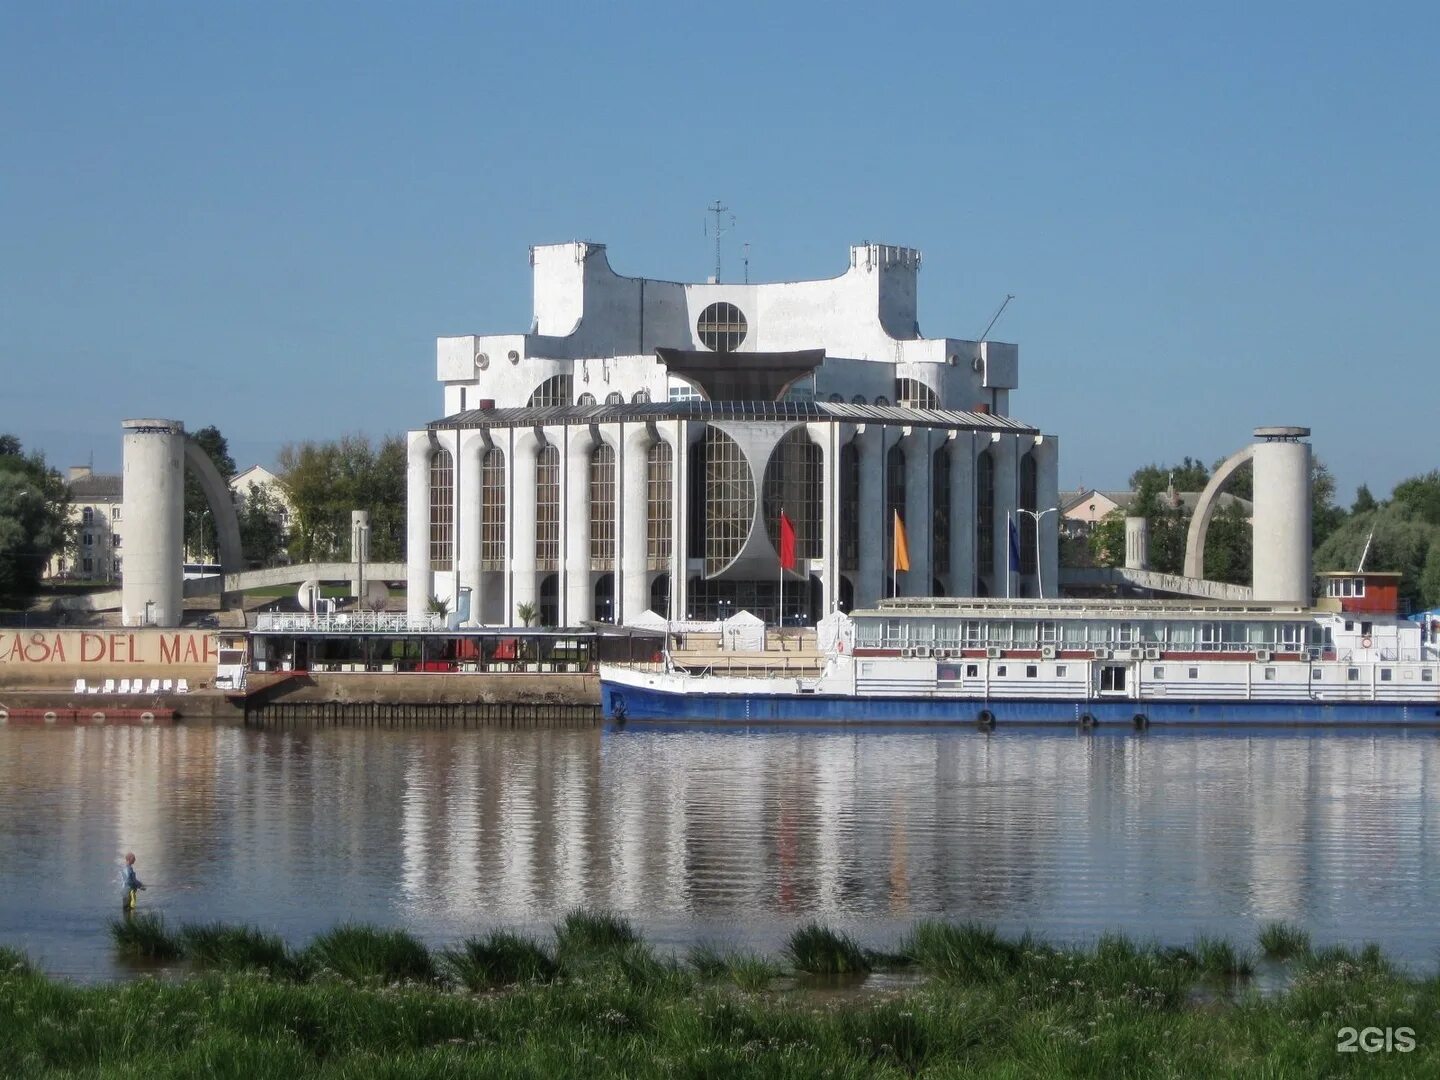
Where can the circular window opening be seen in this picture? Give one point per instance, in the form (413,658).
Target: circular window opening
(721,327)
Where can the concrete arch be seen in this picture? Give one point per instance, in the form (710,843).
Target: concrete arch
(1205,510)
(221,504)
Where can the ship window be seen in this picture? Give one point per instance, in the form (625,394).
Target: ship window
(1060,670)
(1316,674)
(1353,674)
(1269,674)
(972,671)
(1359,586)
(1365,628)
(1427,675)
(1194,673)
(1000,672)
(1159,672)
(1385,674)
(1349,624)
(1031,670)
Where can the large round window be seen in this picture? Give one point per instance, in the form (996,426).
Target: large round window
(722,327)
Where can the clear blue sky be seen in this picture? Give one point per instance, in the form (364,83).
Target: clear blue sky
(260,216)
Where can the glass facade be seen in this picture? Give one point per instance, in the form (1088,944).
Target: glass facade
(659,504)
(914,394)
(984,518)
(492,509)
(602,508)
(940,512)
(1027,530)
(547,509)
(729,500)
(442,510)
(795,483)
(849,507)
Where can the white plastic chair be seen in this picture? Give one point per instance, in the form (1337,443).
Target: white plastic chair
(124,687)
(109,687)
(79,686)
(167,686)
(182,687)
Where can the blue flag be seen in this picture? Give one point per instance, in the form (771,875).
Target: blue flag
(1014,547)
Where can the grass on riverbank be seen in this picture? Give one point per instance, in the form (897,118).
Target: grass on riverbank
(375,1002)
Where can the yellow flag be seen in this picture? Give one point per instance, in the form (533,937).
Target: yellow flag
(902,548)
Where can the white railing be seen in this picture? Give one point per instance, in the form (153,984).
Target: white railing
(356,622)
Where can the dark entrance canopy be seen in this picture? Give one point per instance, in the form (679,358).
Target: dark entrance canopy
(741,376)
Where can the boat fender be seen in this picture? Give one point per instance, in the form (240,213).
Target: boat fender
(50,716)
(147,717)
(1364,643)
(1141,722)
(985,718)
(1087,721)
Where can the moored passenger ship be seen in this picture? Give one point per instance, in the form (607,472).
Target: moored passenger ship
(1086,662)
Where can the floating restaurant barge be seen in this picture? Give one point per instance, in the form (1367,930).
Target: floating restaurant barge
(992,662)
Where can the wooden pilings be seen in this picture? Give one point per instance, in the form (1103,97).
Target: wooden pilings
(465,714)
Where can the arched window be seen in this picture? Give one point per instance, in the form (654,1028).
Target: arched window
(985,514)
(895,504)
(836,399)
(605,598)
(602,508)
(587,399)
(849,506)
(660,595)
(492,509)
(547,509)
(859,399)
(794,483)
(1027,525)
(556,390)
(914,394)
(882,400)
(940,510)
(659,469)
(614,398)
(442,510)
(640,397)
(729,500)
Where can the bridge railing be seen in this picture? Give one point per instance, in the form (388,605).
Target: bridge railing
(351,622)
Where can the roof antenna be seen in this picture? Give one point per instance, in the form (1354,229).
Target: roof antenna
(719,209)
(998,312)
(1361,568)
(746,246)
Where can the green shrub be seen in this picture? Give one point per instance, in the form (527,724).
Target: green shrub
(144,937)
(1283,941)
(821,951)
(236,948)
(367,954)
(499,959)
(584,932)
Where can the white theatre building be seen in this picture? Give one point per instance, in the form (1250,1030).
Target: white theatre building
(634,451)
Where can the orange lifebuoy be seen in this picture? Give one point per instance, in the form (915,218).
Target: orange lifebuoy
(1364,643)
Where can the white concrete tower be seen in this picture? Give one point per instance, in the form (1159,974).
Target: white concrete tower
(154,476)
(1281,567)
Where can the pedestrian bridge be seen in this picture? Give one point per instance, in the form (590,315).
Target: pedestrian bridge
(295,575)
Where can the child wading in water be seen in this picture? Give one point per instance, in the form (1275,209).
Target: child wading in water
(129,882)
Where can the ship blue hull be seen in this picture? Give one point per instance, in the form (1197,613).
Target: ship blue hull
(623,703)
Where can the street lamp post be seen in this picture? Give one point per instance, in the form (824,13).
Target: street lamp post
(1037,515)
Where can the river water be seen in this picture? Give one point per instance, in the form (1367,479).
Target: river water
(733,837)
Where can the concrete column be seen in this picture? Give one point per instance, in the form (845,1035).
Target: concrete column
(632,565)
(1005,453)
(524,579)
(919,580)
(1047,494)
(467,518)
(576,600)
(827,437)
(1281,555)
(152,589)
(1137,543)
(874,559)
(678,438)
(962,514)
(418,580)
(359,550)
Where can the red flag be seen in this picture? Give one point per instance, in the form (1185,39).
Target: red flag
(787,543)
